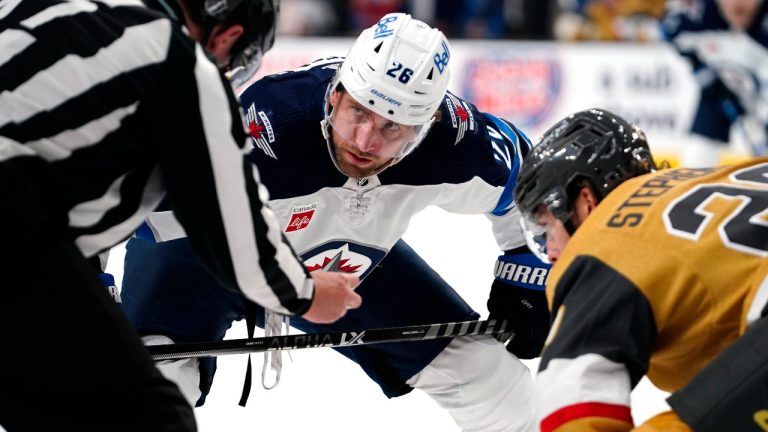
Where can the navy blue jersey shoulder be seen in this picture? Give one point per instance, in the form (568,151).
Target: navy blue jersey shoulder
(465,143)
(284,112)
(704,15)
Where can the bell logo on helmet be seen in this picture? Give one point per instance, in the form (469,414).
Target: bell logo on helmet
(441,60)
(382,30)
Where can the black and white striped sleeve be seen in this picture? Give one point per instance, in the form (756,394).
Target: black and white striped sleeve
(105,106)
(216,195)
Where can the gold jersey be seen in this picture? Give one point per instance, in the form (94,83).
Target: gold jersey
(665,273)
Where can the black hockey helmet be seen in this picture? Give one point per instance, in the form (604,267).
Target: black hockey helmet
(593,145)
(259,21)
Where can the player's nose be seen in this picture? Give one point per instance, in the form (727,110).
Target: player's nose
(553,252)
(365,138)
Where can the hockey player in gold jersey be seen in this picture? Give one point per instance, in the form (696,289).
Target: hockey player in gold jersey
(664,275)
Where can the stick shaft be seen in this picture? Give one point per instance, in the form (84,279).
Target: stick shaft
(332,340)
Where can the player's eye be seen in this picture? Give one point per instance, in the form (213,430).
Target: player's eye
(392,127)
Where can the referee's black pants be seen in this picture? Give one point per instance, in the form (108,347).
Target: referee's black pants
(69,360)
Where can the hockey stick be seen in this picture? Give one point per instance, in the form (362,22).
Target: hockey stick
(333,340)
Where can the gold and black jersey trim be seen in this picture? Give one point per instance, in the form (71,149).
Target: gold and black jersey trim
(605,314)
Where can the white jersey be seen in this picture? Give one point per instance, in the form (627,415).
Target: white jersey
(467,164)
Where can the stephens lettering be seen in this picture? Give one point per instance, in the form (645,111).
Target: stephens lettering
(631,212)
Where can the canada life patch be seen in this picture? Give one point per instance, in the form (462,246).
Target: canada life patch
(300,217)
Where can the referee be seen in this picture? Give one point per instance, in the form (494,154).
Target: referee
(107,107)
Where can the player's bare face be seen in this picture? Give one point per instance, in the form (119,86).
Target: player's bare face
(364,141)
(739,13)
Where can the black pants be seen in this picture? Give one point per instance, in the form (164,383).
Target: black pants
(70,360)
(731,392)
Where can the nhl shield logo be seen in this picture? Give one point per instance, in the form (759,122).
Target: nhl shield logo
(524,87)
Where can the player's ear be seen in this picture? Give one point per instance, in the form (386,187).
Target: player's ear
(590,200)
(223,39)
(585,202)
(335,97)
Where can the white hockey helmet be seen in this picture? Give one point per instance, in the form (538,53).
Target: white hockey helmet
(398,68)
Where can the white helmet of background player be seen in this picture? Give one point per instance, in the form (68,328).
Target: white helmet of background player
(398,69)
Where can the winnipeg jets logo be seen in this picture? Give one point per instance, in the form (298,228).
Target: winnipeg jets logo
(337,257)
(461,116)
(260,129)
(335,264)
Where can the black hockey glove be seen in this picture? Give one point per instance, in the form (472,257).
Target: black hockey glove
(517,295)
(109,283)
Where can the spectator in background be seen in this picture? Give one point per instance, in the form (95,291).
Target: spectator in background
(479,19)
(609,20)
(312,17)
(476,19)
(530,19)
(725,42)
(487,19)
(365,13)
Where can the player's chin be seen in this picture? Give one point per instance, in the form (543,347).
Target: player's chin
(356,166)
(355,171)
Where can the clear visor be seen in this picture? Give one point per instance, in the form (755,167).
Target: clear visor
(374,134)
(539,226)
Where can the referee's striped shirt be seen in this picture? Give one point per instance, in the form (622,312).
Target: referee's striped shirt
(107,106)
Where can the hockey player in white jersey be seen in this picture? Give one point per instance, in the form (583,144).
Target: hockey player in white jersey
(726,42)
(350,150)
